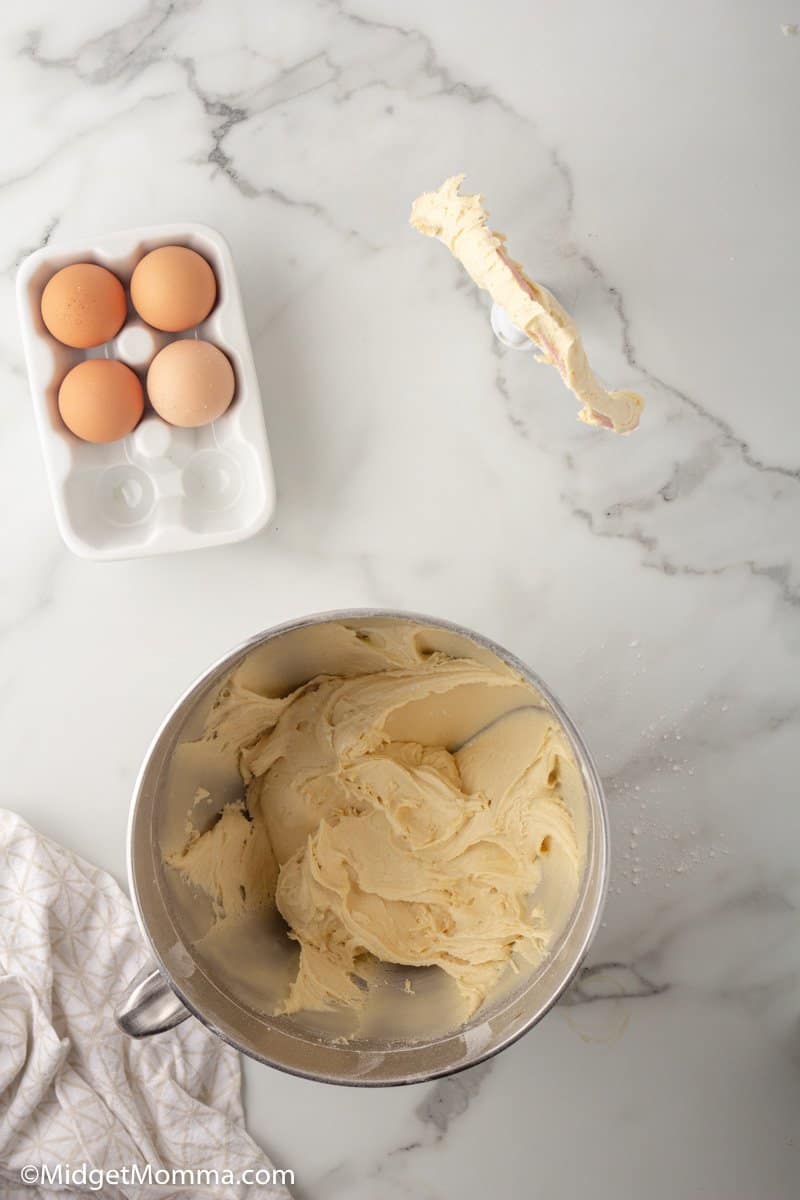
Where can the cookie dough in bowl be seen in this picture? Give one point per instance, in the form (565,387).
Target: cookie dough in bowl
(376,836)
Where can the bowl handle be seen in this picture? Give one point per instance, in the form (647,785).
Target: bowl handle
(149,1005)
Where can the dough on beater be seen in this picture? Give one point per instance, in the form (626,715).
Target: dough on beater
(461,222)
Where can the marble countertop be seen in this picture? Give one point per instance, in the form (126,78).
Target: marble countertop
(643,160)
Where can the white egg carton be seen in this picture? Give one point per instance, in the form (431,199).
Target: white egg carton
(159,489)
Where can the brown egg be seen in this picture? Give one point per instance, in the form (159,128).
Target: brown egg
(173,288)
(100,400)
(190,383)
(84,305)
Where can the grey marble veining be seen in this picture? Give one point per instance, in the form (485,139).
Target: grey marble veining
(642,162)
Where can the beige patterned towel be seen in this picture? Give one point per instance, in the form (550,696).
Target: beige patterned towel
(75,1093)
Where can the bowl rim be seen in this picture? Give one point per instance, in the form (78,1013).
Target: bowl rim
(596,800)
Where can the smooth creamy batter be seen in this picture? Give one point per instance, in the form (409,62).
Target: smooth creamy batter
(461,222)
(375,845)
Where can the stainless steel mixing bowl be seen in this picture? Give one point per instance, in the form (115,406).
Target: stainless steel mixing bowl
(179,982)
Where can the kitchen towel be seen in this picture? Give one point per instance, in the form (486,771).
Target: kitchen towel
(76,1091)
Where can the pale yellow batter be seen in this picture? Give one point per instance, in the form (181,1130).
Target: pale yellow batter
(377,846)
(461,222)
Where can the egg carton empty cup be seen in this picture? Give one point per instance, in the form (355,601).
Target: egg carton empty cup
(161,488)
